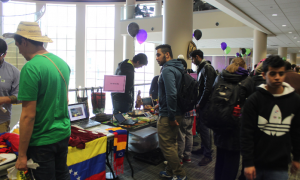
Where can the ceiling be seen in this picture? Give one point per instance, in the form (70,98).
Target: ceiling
(260,14)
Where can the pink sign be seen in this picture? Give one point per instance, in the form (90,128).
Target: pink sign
(114,83)
(194,75)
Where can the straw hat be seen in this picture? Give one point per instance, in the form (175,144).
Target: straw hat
(29,30)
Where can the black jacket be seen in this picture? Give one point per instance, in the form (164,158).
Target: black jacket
(225,139)
(127,69)
(258,80)
(270,129)
(154,88)
(206,77)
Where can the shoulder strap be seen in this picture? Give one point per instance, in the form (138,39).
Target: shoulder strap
(59,73)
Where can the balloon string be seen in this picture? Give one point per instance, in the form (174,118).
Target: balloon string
(134,45)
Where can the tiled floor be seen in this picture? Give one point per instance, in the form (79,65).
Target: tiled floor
(144,171)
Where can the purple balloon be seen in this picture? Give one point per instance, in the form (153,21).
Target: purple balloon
(237,54)
(249,54)
(223,46)
(141,36)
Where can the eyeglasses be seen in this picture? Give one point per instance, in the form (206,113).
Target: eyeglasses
(2,54)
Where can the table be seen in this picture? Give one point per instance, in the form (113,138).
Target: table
(110,137)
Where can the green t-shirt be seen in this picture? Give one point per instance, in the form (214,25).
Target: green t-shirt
(40,81)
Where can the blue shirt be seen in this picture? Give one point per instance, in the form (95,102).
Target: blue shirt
(9,85)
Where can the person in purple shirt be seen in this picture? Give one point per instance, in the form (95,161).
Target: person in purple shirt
(9,88)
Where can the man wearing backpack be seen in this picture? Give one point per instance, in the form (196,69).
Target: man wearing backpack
(270,129)
(206,77)
(170,114)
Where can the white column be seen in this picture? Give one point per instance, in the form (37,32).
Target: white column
(130,5)
(80,46)
(118,42)
(1,15)
(178,27)
(293,58)
(282,52)
(128,47)
(259,46)
(158,7)
(156,66)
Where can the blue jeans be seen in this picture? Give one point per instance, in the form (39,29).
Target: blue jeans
(271,175)
(120,106)
(52,159)
(206,139)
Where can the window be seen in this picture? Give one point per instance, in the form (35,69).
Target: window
(63,34)
(145,74)
(100,28)
(13,13)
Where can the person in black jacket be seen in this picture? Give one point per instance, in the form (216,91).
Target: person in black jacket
(206,77)
(270,129)
(123,102)
(228,141)
(257,76)
(153,92)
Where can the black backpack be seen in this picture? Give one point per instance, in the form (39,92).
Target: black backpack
(218,111)
(187,95)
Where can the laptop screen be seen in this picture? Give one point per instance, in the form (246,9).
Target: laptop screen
(147,101)
(119,117)
(77,112)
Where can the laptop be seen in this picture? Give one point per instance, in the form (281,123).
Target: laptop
(120,118)
(79,116)
(147,101)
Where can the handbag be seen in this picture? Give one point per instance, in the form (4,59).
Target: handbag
(85,101)
(98,101)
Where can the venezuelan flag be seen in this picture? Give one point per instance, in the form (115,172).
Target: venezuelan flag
(88,163)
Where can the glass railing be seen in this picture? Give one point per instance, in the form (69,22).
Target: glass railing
(140,11)
(201,5)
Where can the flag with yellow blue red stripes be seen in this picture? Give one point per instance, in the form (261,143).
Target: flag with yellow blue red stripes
(88,163)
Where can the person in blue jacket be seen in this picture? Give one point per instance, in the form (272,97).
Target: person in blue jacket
(170,114)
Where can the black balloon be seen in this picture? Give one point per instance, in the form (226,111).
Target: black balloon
(133,29)
(243,50)
(197,34)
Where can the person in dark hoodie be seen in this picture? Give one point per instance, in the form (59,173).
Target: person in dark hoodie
(270,129)
(257,76)
(123,102)
(228,141)
(170,115)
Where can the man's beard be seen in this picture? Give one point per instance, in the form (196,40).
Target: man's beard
(164,61)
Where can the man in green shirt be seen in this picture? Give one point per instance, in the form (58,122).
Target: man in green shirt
(44,122)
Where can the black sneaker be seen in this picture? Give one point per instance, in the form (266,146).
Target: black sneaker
(198,152)
(204,161)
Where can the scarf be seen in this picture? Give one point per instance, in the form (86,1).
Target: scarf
(120,141)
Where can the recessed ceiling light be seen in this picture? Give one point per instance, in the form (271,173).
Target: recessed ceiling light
(290,32)
(283,25)
(274,14)
(295,37)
